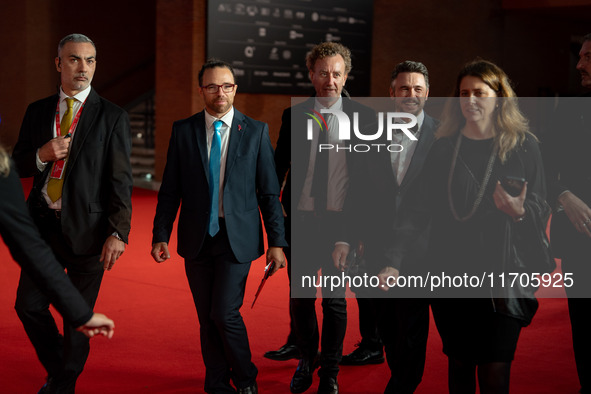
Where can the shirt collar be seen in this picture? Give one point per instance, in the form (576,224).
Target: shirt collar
(227,118)
(337,105)
(420,119)
(80,96)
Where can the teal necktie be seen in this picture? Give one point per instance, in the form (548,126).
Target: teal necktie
(214,178)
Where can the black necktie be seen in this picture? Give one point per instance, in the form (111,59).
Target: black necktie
(320,180)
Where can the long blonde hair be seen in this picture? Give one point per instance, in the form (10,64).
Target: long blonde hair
(510,126)
(4,162)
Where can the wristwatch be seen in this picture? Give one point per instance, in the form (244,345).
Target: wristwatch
(116,235)
(519,218)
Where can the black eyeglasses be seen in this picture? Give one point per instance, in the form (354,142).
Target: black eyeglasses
(213,88)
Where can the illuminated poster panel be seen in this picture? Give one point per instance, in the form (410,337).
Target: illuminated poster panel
(267,41)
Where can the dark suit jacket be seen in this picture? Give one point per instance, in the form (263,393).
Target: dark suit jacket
(96,196)
(293,138)
(34,256)
(565,149)
(380,199)
(250,183)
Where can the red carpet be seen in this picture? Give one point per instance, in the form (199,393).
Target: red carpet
(156,344)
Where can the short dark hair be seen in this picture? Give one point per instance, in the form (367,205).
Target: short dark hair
(328,49)
(408,66)
(587,37)
(214,63)
(75,37)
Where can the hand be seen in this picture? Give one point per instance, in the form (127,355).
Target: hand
(283,210)
(160,252)
(275,253)
(339,256)
(98,324)
(385,274)
(55,149)
(577,211)
(112,250)
(512,206)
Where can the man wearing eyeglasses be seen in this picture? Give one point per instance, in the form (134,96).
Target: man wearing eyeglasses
(220,166)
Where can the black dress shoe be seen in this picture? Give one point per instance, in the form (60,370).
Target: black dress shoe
(328,385)
(286,352)
(302,378)
(47,387)
(363,356)
(57,385)
(253,389)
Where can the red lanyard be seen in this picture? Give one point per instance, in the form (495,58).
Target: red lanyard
(74,122)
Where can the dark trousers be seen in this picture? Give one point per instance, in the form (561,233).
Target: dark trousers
(291,338)
(368,323)
(404,328)
(313,243)
(579,309)
(62,357)
(368,313)
(217,281)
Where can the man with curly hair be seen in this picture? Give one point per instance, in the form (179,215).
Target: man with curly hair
(318,180)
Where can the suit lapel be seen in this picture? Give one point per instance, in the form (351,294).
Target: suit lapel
(85,125)
(49,114)
(201,136)
(303,148)
(237,132)
(420,153)
(300,145)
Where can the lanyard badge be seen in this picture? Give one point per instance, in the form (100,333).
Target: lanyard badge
(57,171)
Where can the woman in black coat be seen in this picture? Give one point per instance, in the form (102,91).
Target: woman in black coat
(28,249)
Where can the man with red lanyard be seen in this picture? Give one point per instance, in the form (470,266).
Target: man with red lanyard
(77,146)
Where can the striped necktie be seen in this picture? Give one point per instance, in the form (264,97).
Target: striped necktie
(55,186)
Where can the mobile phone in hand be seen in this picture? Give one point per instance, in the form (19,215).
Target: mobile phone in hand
(513,185)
